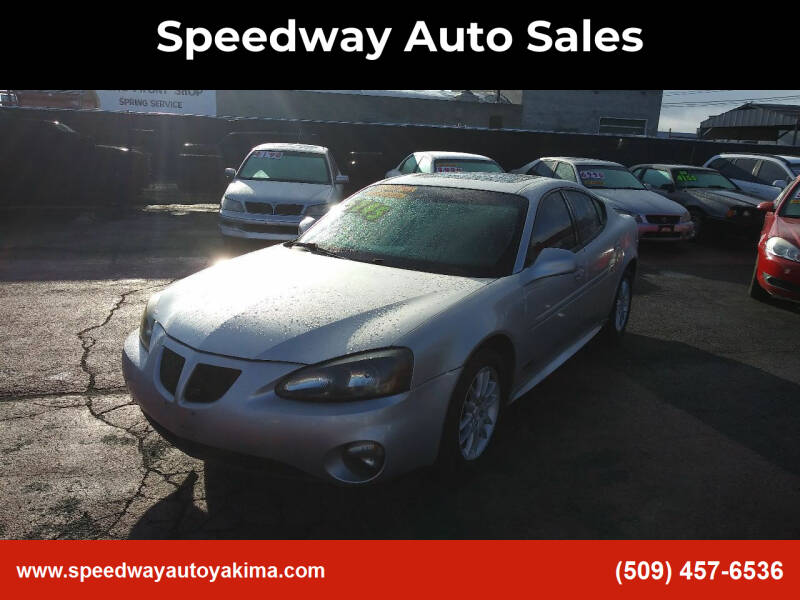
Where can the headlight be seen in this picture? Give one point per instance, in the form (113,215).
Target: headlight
(371,374)
(316,210)
(637,218)
(780,247)
(148,321)
(686,217)
(231,204)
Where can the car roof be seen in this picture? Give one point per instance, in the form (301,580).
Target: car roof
(672,166)
(582,161)
(292,147)
(454,155)
(782,157)
(509,183)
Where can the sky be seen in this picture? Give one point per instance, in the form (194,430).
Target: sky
(683,110)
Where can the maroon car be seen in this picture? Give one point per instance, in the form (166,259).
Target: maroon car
(777,272)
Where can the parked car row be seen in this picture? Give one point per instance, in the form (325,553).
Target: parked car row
(669,202)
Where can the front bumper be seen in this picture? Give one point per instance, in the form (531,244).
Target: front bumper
(251,419)
(778,276)
(259,227)
(665,233)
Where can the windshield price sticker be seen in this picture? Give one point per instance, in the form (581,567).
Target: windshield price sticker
(630,571)
(593,175)
(269,154)
(370,210)
(684,176)
(448,169)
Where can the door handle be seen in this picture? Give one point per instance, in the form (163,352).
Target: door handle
(580,273)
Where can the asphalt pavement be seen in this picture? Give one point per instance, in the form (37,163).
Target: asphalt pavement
(690,429)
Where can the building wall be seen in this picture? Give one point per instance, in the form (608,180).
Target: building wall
(295,104)
(579,111)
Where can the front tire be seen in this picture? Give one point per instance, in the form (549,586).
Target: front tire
(699,222)
(474,411)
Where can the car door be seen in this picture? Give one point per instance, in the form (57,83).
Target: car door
(596,257)
(551,322)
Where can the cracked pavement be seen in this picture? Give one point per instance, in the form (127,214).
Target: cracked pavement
(689,430)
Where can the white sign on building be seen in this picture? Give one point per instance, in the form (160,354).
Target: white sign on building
(181,102)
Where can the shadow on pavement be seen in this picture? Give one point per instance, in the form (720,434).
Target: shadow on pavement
(585,455)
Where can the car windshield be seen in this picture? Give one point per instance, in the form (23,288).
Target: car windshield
(468,166)
(280,165)
(791,206)
(452,231)
(690,178)
(609,178)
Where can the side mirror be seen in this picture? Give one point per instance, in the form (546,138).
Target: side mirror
(766,207)
(780,183)
(549,263)
(305,224)
(667,187)
(341,180)
(648,186)
(230,173)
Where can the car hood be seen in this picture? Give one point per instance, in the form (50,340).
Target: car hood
(283,192)
(286,304)
(726,197)
(643,202)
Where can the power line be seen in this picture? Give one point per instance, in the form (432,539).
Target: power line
(701,103)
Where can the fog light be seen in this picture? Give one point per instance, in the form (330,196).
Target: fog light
(364,458)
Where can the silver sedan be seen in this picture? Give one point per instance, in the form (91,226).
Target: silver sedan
(393,332)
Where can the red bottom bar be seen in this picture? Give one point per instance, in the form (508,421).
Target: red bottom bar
(402,569)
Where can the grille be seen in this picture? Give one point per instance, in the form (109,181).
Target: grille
(288,209)
(259,228)
(208,383)
(262,208)
(663,219)
(170,371)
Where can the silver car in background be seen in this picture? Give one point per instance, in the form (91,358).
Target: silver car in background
(658,218)
(440,161)
(276,187)
(375,344)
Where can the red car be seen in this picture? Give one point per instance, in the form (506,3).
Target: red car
(777,271)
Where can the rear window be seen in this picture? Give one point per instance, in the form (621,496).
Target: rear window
(279,165)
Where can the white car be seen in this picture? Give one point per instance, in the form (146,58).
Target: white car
(276,187)
(658,218)
(761,175)
(438,161)
(376,343)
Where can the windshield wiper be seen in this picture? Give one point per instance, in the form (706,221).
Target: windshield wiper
(313,248)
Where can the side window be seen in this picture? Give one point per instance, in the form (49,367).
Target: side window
(723,165)
(543,168)
(770,171)
(742,169)
(552,227)
(565,171)
(656,178)
(334,167)
(409,165)
(638,172)
(426,165)
(588,219)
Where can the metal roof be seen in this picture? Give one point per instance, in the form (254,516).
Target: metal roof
(755,114)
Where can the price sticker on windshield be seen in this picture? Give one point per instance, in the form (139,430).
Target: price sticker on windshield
(685,176)
(593,175)
(448,169)
(269,154)
(370,210)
